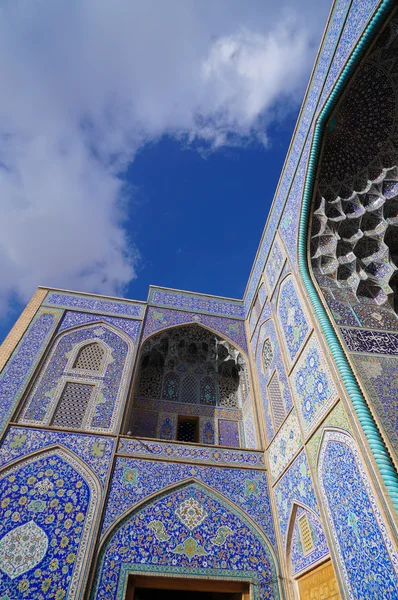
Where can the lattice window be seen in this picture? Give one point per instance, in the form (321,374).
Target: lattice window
(268,354)
(187,430)
(189,390)
(276,401)
(208,391)
(150,385)
(90,357)
(72,405)
(228,392)
(171,384)
(307,541)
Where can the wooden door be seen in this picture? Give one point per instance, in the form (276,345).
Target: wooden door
(319,584)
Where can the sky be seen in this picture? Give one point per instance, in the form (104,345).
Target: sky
(141,142)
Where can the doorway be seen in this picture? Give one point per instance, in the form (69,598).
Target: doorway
(142,587)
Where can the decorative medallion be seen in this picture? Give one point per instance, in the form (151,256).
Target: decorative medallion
(191,513)
(222,535)
(22,548)
(190,548)
(159,530)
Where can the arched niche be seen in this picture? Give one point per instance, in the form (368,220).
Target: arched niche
(306,541)
(193,386)
(83,382)
(366,552)
(354,223)
(187,531)
(39,558)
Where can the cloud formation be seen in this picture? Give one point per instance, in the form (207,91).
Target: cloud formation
(87,83)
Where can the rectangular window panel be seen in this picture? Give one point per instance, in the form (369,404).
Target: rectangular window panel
(72,405)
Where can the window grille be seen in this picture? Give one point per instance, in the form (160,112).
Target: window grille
(187,430)
(305,534)
(72,405)
(208,393)
(150,383)
(189,390)
(276,401)
(228,392)
(90,357)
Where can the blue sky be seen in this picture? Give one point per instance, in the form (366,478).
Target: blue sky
(141,142)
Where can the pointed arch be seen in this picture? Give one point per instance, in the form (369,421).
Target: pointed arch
(189,485)
(299,561)
(44,485)
(354,515)
(57,371)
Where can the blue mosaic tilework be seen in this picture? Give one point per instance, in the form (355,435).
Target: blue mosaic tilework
(265,314)
(95,451)
(38,558)
(299,560)
(72,319)
(145,423)
(196,410)
(188,529)
(113,383)
(284,446)
(378,374)
(292,319)
(196,303)
(372,342)
(119,308)
(361,12)
(177,452)
(288,226)
(262,294)
(378,318)
(133,480)
(160,318)
(325,56)
(167,426)
(295,486)
(367,556)
(25,357)
(312,385)
(274,265)
(249,427)
(268,331)
(228,433)
(208,432)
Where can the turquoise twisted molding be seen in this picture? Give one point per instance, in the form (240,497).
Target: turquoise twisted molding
(377,446)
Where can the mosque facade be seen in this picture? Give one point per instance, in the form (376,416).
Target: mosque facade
(226,448)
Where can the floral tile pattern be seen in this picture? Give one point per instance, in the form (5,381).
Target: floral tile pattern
(73,319)
(379,376)
(292,319)
(111,389)
(312,385)
(284,446)
(200,303)
(25,357)
(161,318)
(93,450)
(119,308)
(197,542)
(135,479)
(299,559)
(35,496)
(294,487)
(273,266)
(368,558)
(265,371)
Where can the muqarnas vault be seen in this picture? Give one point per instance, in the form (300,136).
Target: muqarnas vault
(233,448)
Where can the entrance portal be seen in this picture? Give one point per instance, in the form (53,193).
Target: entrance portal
(143,587)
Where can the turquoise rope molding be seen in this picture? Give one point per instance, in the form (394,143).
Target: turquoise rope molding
(377,446)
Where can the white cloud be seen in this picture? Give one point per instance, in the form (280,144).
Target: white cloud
(86,83)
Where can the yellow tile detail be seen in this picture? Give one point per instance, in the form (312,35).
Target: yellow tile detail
(305,534)
(12,339)
(319,584)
